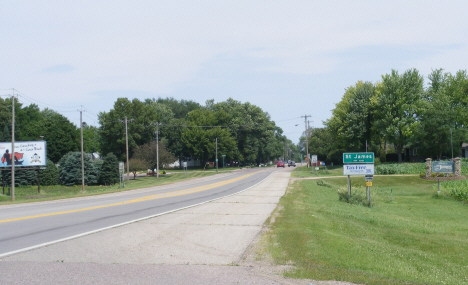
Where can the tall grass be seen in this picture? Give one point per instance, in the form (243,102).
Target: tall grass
(457,189)
(401,168)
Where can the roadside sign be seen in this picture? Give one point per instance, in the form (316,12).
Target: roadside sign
(442,166)
(317,168)
(358,157)
(314,159)
(369,177)
(369,183)
(358,169)
(121,166)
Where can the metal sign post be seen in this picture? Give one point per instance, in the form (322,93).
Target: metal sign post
(121,172)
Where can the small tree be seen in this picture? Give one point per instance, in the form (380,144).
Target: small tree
(109,171)
(136,165)
(49,176)
(147,152)
(70,170)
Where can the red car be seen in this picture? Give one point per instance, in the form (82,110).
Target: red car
(280,164)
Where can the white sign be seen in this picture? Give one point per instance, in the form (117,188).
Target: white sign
(358,169)
(121,166)
(314,159)
(32,153)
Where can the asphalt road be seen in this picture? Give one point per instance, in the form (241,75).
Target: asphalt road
(27,226)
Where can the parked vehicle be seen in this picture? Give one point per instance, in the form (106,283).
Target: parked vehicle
(280,164)
(291,163)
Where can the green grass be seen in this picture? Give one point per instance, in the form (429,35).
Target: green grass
(415,238)
(303,171)
(25,194)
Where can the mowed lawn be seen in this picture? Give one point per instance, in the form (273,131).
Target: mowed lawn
(414,238)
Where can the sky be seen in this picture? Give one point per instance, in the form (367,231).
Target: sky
(290,58)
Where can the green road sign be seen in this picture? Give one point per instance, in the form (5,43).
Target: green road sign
(358,157)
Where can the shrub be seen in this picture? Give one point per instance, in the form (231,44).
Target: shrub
(356,198)
(322,182)
(438,174)
(421,175)
(433,174)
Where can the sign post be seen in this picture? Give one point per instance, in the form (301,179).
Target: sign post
(224,156)
(121,172)
(359,163)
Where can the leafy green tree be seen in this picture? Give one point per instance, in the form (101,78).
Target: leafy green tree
(200,137)
(50,175)
(59,133)
(397,105)
(439,116)
(352,118)
(147,153)
(136,165)
(109,170)
(179,108)
(70,170)
(141,118)
(321,144)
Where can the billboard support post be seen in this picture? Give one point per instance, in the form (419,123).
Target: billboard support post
(13,146)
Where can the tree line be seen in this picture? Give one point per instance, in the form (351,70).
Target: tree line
(398,112)
(187,130)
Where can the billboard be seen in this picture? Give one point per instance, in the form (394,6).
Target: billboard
(31,153)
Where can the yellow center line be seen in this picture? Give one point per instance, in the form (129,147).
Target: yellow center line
(147,198)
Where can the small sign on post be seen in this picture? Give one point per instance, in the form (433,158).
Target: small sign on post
(121,172)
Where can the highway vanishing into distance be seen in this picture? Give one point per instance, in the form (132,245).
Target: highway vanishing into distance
(28,226)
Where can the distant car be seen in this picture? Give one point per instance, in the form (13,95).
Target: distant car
(291,163)
(280,164)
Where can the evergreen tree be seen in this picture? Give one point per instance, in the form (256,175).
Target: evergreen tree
(70,170)
(109,171)
(49,176)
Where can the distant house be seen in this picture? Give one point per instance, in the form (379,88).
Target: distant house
(464,150)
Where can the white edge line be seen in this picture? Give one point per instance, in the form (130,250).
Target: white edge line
(121,224)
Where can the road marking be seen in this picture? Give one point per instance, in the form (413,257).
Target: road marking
(147,198)
(123,224)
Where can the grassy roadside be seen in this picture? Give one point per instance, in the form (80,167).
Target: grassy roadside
(25,194)
(413,238)
(303,171)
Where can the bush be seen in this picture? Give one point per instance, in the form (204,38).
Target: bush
(356,198)
(322,182)
(70,170)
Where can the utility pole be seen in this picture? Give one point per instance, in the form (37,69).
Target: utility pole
(82,158)
(13,146)
(126,147)
(157,150)
(216,154)
(306,137)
